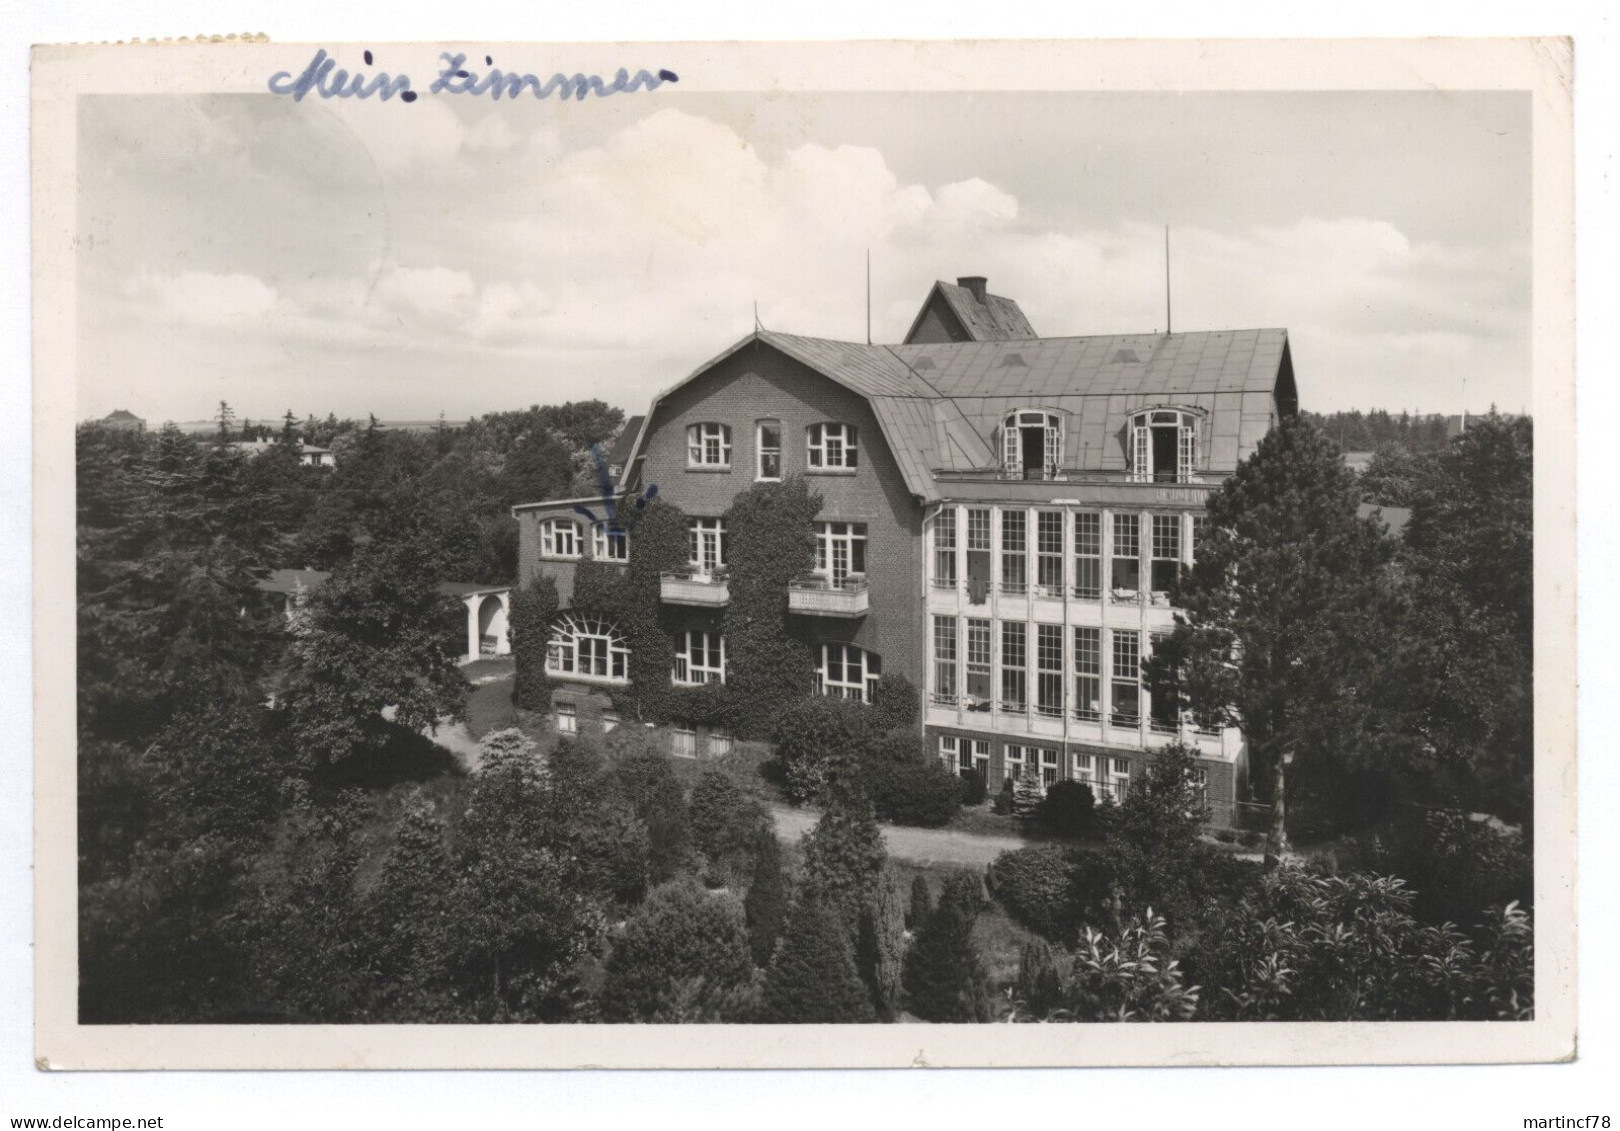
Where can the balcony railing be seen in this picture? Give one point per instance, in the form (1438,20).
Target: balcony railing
(818,596)
(686,587)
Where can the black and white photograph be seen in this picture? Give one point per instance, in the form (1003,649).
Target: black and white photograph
(593,546)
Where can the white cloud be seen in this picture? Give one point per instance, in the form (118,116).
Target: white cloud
(202,298)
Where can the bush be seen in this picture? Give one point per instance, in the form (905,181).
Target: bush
(974,790)
(813,977)
(895,704)
(1004,800)
(727,826)
(915,792)
(1455,864)
(766,905)
(816,740)
(1067,809)
(1036,885)
(683,957)
(944,976)
(1026,796)
(532,610)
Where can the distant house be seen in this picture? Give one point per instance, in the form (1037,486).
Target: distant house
(308,454)
(487,606)
(124,420)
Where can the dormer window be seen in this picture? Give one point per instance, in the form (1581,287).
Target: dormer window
(708,445)
(1164,446)
(831,446)
(1031,444)
(559,538)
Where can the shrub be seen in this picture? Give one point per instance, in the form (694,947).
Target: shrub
(843,859)
(895,704)
(880,947)
(914,792)
(1036,885)
(1128,978)
(944,977)
(766,905)
(1003,805)
(645,779)
(1067,809)
(727,825)
(1026,796)
(817,739)
(922,905)
(1455,864)
(812,978)
(683,957)
(974,790)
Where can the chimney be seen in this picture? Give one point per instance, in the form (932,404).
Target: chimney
(977,284)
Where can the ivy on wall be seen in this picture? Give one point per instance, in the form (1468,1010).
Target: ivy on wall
(532,611)
(769,542)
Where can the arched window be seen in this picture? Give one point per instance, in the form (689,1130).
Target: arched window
(1164,445)
(586,648)
(1031,444)
(831,446)
(559,538)
(848,671)
(708,445)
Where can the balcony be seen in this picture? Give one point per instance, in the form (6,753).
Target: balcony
(819,597)
(686,587)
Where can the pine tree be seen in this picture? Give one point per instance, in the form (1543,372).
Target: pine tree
(922,905)
(944,976)
(812,978)
(881,947)
(683,956)
(843,858)
(767,902)
(1027,796)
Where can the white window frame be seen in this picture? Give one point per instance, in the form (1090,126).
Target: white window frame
(1118,540)
(559,538)
(700,658)
(1014,639)
(867,663)
(836,543)
(1088,666)
(1119,778)
(1165,530)
(720,744)
(1048,578)
(1012,442)
(604,540)
(574,644)
(1014,754)
(1118,678)
(945,660)
(978,652)
(708,445)
(682,741)
(1187,423)
(761,450)
(1048,698)
(832,446)
(1088,552)
(706,545)
(945,549)
(610,722)
(1014,551)
(567,719)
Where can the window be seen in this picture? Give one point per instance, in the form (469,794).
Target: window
(1087,555)
(1014,638)
(1049,670)
(586,648)
(1200,524)
(559,538)
(1088,674)
(1126,683)
(1031,444)
(610,544)
(768,448)
(706,544)
(978,664)
(848,672)
(978,555)
(964,756)
(840,551)
(831,446)
(683,742)
(1119,778)
(1049,768)
(1013,763)
(1014,552)
(1086,773)
(700,657)
(1126,568)
(719,744)
(610,722)
(1166,547)
(708,445)
(1164,446)
(945,548)
(1049,553)
(567,719)
(1198,782)
(945,659)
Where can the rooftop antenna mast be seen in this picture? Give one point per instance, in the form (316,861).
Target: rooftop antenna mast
(1167,280)
(868,296)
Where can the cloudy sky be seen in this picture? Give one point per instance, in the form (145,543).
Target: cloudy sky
(466,257)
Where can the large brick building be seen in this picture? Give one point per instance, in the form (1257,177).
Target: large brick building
(1003,516)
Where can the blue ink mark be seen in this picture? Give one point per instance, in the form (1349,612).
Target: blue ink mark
(604,481)
(328,80)
(455,79)
(368,56)
(488,62)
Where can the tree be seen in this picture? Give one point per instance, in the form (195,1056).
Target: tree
(843,859)
(646,780)
(1286,620)
(944,975)
(766,904)
(683,956)
(1026,800)
(880,947)
(812,978)
(1068,808)
(377,639)
(728,825)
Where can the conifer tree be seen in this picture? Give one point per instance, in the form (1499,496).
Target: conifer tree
(944,976)
(767,902)
(812,978)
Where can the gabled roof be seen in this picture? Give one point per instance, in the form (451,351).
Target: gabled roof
(619,455)
(121,414)
(996,319)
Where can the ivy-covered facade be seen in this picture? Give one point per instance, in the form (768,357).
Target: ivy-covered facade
(997,518)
